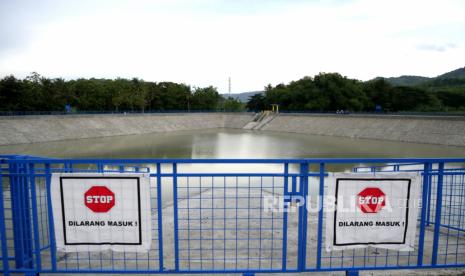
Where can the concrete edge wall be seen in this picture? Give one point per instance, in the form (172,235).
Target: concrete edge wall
(34,129)
(443,130)
(379,116)
(446,130)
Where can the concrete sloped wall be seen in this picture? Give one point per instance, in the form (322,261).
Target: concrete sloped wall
(236,120)
(420,129)
(32,129)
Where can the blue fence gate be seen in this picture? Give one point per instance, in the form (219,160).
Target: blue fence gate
(209,216)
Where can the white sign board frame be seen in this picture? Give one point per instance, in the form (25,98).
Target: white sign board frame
(392,227)
(126,226)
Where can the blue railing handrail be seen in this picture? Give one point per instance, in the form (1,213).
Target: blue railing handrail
(22,171)
(388,165)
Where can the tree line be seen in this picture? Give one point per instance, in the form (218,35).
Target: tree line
(37,93)
(328,92)
(325,92)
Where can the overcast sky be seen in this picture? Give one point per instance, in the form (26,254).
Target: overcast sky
(203,42)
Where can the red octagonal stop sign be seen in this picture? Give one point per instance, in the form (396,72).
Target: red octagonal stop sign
(371,200)
(99,199)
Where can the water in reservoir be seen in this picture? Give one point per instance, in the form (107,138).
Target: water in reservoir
(230,143)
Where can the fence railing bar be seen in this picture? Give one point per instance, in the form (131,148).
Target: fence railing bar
(175,206)
(302,256)
(35,218)
(229,175)
(160,221)
(260,257)
(18,218)
(25,183)
(5,266)
(424,209)
(284,238)
(430,185)
(51,229)
(320,215)
(438,214)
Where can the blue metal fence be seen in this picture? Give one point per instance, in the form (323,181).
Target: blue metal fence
(208,217)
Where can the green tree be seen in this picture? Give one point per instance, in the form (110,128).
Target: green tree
(232,105)
(11,94)
(205,98)
(256,103)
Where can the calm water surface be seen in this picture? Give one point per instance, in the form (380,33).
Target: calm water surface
(227,143)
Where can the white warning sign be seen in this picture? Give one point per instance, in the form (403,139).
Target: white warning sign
(372,210)
(95,212)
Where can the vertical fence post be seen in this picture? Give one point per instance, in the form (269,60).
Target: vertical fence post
(99,167)
(35,213)
(6,268)
(286,187)
(175,206)
(15,214)
(21,217)
(301,261)
(27,221)
(437,218)
(428,214)
(51,228)
(424,210)
(320,215)
(160,221)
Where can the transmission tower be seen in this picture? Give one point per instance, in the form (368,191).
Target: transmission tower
(229,86)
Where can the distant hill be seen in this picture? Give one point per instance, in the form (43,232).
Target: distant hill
(452,79)
(456,74)
(244,96)
(407,80)
(419,80)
